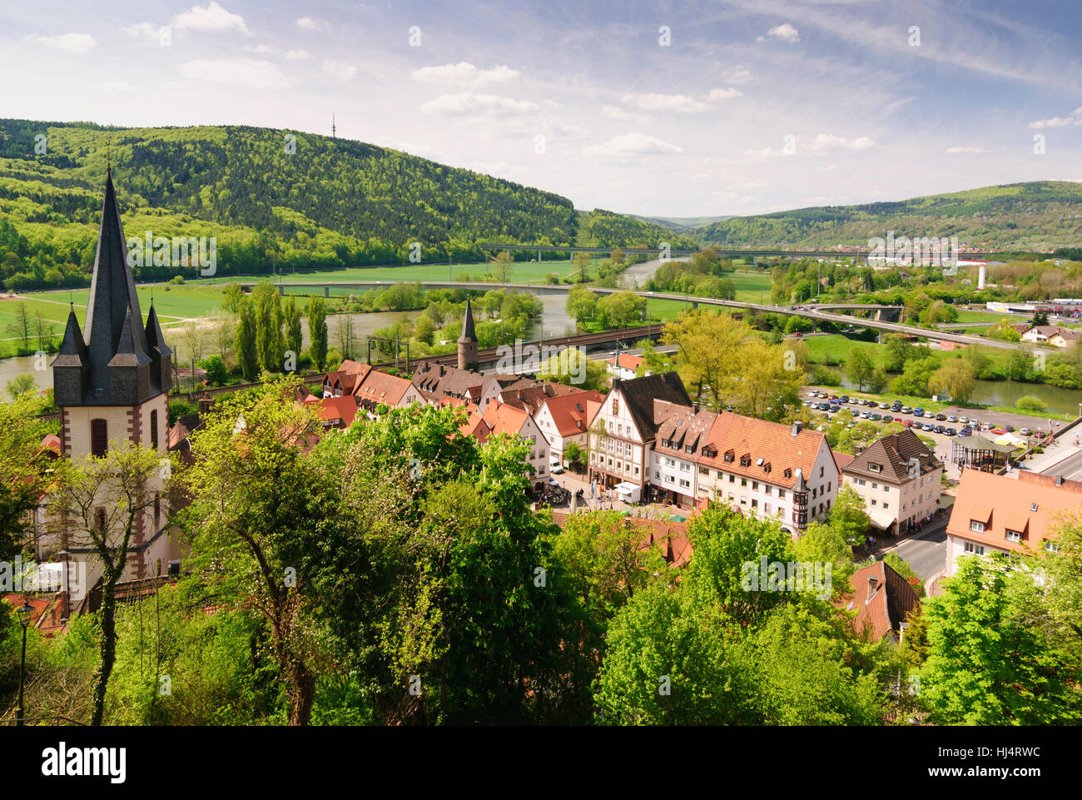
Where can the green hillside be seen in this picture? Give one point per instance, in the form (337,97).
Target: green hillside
(270,200)
(1041,216)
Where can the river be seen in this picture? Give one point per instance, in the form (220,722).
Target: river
(1006,393)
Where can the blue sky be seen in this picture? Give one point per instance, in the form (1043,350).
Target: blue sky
(668,108)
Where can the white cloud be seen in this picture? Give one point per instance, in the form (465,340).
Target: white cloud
(824,142)
(717,95)
(631,145)
(236,72)
(738,76)
(119,87)
(959,149)
(211,17)
(470,103)
(298,55)
(144,30)
(615,112)
(465,74)
(338,70)
(680,103)
(1053,122)
(310,24)
(785,32)
(71,42)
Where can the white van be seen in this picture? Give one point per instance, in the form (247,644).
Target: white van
(555,467)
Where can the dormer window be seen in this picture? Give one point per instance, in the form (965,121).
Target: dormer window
(729,456)
(759,462)
(788,473)
(745,461)
(875,467)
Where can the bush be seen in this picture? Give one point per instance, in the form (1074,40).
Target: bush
(178,280)
(822,376)
(217,372)
(1030,403)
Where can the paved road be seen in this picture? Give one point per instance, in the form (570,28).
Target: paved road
(926,552)
(1070,467)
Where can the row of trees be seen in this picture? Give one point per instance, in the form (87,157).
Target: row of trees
(269,335)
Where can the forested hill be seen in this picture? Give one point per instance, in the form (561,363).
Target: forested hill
(268,196)
(1045,215)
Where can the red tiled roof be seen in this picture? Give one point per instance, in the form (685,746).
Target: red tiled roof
(341,410)
(1026,502)
(882,607)
(504,418)
(570,412)
(379,387)
(627,361)
(669,536)
(772,442)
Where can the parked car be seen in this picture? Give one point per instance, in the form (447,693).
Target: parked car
(896,406)
(918,412)
(999,431)
(951,432)
(927,427)
(952,418)
(965,432)
(963,420)
(1026,432)
(1010,428)
(908,423)
(884,405)
(899,419)
(844,398)
(907,409)
(941,417)
(938,429)
(863,414)
(555,467)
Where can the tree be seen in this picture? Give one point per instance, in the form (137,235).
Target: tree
(103,502)
(573,368)
(1029,402)
(897,350)
(501,268)
(1039,318)
(1004,330)
(986,666)
(424,329)
(269,340)
(859,367)
(769,383)
(956,378)
(914,378)
(1019,366)
(291,320)
(247,354)
(878,381)
(617,258)
(575,457)
(247,451)
(346,336)
(849,517)
(709,346)
(232,295)
(217,372)
(582,266)
(43,330)
(581,304)
(20,385)
(222,330)
(23,464)
(621,309)
(317,332)
(21,325)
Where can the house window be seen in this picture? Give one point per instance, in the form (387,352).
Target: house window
(874,503)
(875,485)
(1014,536)
(768,489)
(886,505)
(154,429)
(976,525)
(755,486)
(743,481)
(684,483)
(754,503)
(977,549)
(821,470)
(732,479)
(99,437)
(766,507)
(99,520)
(657,473)
(1051,547)
(704,471)
(781,494)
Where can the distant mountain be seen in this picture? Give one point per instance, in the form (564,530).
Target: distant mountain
(1039,216)
(683,224)
(270,197)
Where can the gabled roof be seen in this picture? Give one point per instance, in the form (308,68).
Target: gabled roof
(639,395)
(570,411)
(783,455)
(683,427)
(436,381)
(340,411)
(532,395)
(626,361)
(504,418)
(1031,504)
(882,599)
(379,387)
(889,458)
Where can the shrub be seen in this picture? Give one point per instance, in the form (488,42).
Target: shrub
(1030,403)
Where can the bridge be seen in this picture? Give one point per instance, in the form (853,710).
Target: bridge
(812,312)
(857,253)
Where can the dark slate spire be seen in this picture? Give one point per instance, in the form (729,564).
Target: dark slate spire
(162,368)
(71,368)
(113,300)
(468,332)
(129,368)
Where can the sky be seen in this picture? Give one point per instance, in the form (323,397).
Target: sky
(655,108)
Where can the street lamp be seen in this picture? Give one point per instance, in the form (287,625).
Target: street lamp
(24,619)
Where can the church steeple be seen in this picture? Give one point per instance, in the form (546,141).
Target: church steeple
(161,371)
(115,340)
(71,369)
(467,342)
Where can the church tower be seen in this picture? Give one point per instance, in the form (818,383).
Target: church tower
(467,342)
(111,378)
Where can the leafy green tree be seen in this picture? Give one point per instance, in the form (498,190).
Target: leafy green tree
(956,378)
(582,266)
(217,372)
(269,341)
(1019,366)
(247,354)
(1039,318)
(897,350)
(103,501)
(576,458)
(621,310)
(317,331)
(985,666)
(291,320)
(849,517)
(859,367)
(914,378)
(581,304)
(1029,402)
(23,465)
(501,268)
(573,368)
(20,385)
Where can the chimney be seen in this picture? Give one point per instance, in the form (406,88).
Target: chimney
(796,428)
(1059,480)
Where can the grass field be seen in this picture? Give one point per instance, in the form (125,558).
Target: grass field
(965,315)
(751,286)
(521,272)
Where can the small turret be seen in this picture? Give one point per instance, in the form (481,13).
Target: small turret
(467,342)
(71,368)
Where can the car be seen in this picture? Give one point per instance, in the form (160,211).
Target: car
(999,431)
(941,417)
(986,426)
(918,412)
(908,423)
(950,432)
(813,393)
(555,467)
(843,399)
(927,427)
(875,416)
(907,409)
(952,418)
(965,432)
(863,414)
(895,406)
(899,419)
(963,420)
(1025,432)
(1010,428)
(870,403)
(938,429)
(884,405)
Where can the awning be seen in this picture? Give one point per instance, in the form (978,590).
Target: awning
(882,518)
